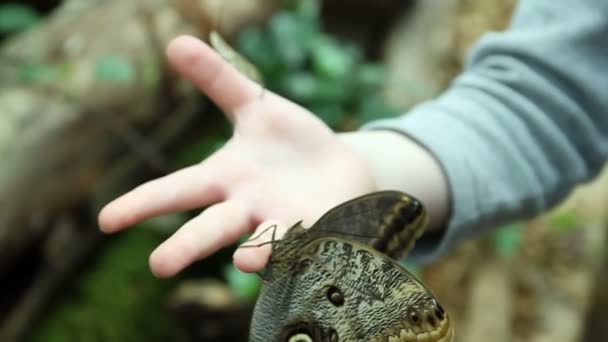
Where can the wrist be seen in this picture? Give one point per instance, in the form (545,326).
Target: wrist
(397,162)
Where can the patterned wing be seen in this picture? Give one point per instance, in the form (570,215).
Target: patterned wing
(388,221)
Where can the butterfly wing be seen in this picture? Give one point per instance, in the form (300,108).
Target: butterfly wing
(388,221)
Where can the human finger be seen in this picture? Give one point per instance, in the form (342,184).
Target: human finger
(204,67)
(216,227)
(189,188)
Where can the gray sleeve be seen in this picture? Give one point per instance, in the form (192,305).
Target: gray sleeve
(524,123)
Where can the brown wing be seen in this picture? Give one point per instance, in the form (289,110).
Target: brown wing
(388,221)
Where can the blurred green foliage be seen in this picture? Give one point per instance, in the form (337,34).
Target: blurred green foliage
(201,148)
(245,285)
(16,17)
(566,220)
(115,299)
(38,73)
(508,240)
(305,64)
(116,69)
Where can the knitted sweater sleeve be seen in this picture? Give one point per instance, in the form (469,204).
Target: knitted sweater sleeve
(524,123)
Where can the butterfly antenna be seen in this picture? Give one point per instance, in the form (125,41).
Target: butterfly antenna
(274,226)
(273,233)
(259,244)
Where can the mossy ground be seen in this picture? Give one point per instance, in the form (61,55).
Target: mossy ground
(115,299)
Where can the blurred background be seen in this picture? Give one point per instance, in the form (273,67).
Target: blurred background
(89,109)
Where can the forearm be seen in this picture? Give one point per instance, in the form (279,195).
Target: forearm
(399,163)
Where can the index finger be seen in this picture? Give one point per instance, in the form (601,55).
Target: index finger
(204,67)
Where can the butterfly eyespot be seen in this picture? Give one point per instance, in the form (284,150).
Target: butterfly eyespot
(415,317)
(300,337)
(302,331)
(335,296)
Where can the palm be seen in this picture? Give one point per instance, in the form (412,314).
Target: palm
(282,165)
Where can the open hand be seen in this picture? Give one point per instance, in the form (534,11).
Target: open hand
(282,165)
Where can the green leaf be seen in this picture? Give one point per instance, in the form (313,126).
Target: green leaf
(257,46)
(17,17)
(310,9)
(566,220)
(370,75)
(292,38)
(245,285)
(333,61)
(331,114)
(40,73)
(508,240)
(116,69)
(301,86)
(336,91)
(374,107)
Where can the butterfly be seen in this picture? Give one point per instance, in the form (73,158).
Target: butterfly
(339,280)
